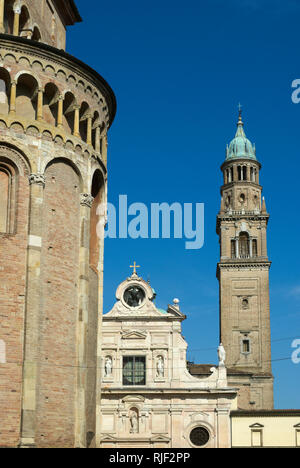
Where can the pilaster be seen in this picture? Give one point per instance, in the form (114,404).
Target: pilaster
(32,311)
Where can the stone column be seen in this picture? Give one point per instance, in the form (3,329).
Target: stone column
(237,253)
(235,173)
(60,111)
(17,12)
(89,130)
(32,311)
(82,322)
(248,173)
(97,138)
(13,97)
(2,16)
(76,121)
(104,148)
(251,247)
(40,104)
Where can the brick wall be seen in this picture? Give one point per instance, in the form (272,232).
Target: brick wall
(60,275)
(12,303)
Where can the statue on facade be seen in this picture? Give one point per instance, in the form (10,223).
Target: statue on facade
(108,366)
(160,367)
(222,355)
(134,423)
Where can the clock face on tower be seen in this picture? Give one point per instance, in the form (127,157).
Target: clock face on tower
(134,296)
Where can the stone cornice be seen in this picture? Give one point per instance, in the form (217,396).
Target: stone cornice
(242,264)
(68,11)
(170,391)
(239,161)
(264,413)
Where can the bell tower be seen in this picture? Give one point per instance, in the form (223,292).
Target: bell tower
(243,274)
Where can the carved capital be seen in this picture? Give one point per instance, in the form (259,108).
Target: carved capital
(86,200)
(37,179)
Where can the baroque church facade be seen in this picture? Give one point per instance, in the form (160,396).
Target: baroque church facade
(67,377)
(149,398)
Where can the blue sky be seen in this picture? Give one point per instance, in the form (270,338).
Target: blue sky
(179,70)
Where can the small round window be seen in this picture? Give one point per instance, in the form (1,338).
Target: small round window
(134,296)
(199,436)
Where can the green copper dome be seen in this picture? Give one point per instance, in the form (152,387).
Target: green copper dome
(240,147)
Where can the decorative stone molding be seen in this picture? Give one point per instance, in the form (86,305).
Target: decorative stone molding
(86,200)
(38,179)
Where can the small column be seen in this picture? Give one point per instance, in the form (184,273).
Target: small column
(235,173)
(60,111)
(17,12)
(40,104)
(251,247)
(2,16)
(97,138)
(13,97)
(104,148)
(89,130)
(86,201)
(76,121)
(249,173)
(237,248)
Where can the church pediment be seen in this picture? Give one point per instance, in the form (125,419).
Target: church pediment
(134,335)
(160,438)
(257,426)
(108,438)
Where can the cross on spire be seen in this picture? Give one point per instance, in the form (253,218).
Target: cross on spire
(134,266)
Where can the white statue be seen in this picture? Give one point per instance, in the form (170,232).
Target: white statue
(222,355)
(134,422)
(108,367)
(160,367)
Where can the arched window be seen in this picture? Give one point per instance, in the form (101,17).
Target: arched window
(26,102)
(36,36)
(50,103)
(244,172)
(25,30)
(233,249)
(239,173)
(244,245)
(4,90)
(254,248)
(9,16)
(8,184)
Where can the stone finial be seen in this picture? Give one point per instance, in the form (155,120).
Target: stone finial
(264,206)
(38,179)
(86,200)
(176,303)
(222,209)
